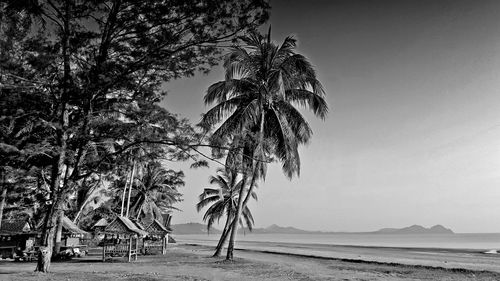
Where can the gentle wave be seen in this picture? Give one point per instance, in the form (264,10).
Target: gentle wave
(481,241)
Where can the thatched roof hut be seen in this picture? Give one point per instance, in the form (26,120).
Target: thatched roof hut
(124,226)
(10,227)
(100,225)
(16,234)
(158,229)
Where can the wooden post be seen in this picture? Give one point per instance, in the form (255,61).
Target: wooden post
(104,251)
(136,247)
(130,249)
(143,249)
(164,245)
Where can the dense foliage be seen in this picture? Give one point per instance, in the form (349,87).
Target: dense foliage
(80,83)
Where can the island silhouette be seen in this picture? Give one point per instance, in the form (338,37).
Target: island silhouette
(198,228)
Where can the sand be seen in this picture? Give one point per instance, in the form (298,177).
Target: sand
(194,262)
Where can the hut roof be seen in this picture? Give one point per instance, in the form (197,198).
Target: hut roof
(123,225)
(138,225)
(156,227)
(15,227)
(70,226)
(101,223)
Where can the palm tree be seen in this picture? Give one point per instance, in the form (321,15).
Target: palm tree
(223,201)
(156,191)
(264,84)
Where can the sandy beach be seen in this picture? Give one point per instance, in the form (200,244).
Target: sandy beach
(470,259)
(194,262)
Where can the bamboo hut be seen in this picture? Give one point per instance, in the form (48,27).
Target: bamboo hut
(122,238)
(17,239)
(99,226)
(157,239)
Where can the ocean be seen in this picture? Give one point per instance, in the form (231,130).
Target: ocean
(470,241)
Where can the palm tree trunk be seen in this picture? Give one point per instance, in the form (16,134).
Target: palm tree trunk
(234,226)
(242,203)
(223,237)
(87,200)
(255,171)
(227,225)
(130,188)
(3,197)
(2,203)
(124,194)
(136,206)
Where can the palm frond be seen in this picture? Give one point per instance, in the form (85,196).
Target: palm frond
(306,98)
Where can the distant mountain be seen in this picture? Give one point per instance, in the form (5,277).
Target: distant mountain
(192,228)
(279,229)
(198,228)
(415,229)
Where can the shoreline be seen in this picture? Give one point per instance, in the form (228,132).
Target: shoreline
(461,270)
(466,259)
(192,262)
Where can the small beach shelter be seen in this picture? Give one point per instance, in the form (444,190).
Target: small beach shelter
(100,225)
(126,235)
(16,235)
(157,237)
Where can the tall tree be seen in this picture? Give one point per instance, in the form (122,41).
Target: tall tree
(94,61)
(156,191)
(264,84)
(222,202)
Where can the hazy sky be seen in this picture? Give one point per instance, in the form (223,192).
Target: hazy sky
(413,134)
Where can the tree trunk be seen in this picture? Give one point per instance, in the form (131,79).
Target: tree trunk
(87,200)
(2,203)
(57,246)
(242,203)
(47,243)
(3,197)
(58,191)
(123,196)
(223,238)
(234,226)
(130,188)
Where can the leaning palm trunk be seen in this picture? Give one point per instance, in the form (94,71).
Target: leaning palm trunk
(3,197)
(242,203)
(2,203)
(227,227)
(223,237)
(85,202)
(130,188)
(234,226)
(124,194)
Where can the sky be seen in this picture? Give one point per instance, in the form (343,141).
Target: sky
(413,133)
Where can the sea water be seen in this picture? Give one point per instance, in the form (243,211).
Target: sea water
(474,241)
